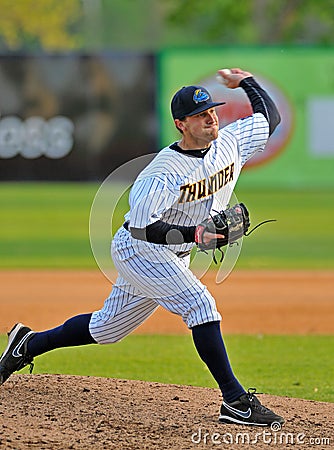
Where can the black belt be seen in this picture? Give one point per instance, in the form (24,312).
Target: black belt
(126,225)
(183,254)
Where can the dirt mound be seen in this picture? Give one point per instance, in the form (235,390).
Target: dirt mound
(70,412)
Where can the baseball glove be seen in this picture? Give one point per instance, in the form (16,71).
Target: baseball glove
(232,224)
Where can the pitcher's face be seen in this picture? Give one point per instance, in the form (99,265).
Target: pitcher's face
(199,130)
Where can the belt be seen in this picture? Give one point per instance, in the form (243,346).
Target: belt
(126,225)
(183,254)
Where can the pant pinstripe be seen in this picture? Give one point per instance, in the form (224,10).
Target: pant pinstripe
(149,276)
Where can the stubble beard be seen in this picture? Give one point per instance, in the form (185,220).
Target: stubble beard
(213,133)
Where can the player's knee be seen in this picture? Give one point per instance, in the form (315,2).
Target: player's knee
(195,317)
(109,339)
(114,340)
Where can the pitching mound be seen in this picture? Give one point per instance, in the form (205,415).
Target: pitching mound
(69,412)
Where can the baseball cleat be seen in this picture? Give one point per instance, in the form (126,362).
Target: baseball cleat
(15,355)
(248,410)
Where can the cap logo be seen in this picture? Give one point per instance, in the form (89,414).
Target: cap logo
(200,96)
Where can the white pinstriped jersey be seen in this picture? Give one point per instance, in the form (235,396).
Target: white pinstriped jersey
(181,189)
(178,189)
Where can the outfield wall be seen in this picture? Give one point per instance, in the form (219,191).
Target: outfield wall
(79,117)
(74,116)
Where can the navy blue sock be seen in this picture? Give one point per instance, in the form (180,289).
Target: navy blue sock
(211,348)
(73,332)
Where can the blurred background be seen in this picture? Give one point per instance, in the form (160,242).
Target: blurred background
(85,86)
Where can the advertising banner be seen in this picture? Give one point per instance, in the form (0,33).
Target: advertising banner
(300,153)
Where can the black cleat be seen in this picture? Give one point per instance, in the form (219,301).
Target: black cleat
(15,355)
(248,410)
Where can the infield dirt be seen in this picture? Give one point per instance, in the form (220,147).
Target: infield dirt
(67,412)
(268,302)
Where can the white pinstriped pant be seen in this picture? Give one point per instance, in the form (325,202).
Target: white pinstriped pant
(149,276)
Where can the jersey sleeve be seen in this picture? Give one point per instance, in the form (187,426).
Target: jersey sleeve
(261,102)
(251,134)
(149,198)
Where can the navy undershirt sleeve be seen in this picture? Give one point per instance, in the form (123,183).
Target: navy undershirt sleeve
(164,233)
(261,102)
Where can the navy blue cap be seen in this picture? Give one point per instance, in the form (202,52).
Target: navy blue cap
(191,100)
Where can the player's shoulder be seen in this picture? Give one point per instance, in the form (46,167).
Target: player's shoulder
(164,158)
(252,118)
(165,162)
(256,120)
(168,157)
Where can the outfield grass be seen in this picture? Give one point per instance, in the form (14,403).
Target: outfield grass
(46,225)
(294,366)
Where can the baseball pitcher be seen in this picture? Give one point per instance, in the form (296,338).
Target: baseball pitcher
(180,200)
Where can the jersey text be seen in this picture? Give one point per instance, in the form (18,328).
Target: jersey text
(203,188)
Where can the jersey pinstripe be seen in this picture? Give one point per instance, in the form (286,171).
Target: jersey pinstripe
(183,190)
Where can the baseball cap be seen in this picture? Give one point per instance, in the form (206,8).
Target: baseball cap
(191,100)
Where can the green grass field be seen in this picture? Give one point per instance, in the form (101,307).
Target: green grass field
(46,225)
(295,366)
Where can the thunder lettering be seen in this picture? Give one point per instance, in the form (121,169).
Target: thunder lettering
(206,187)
